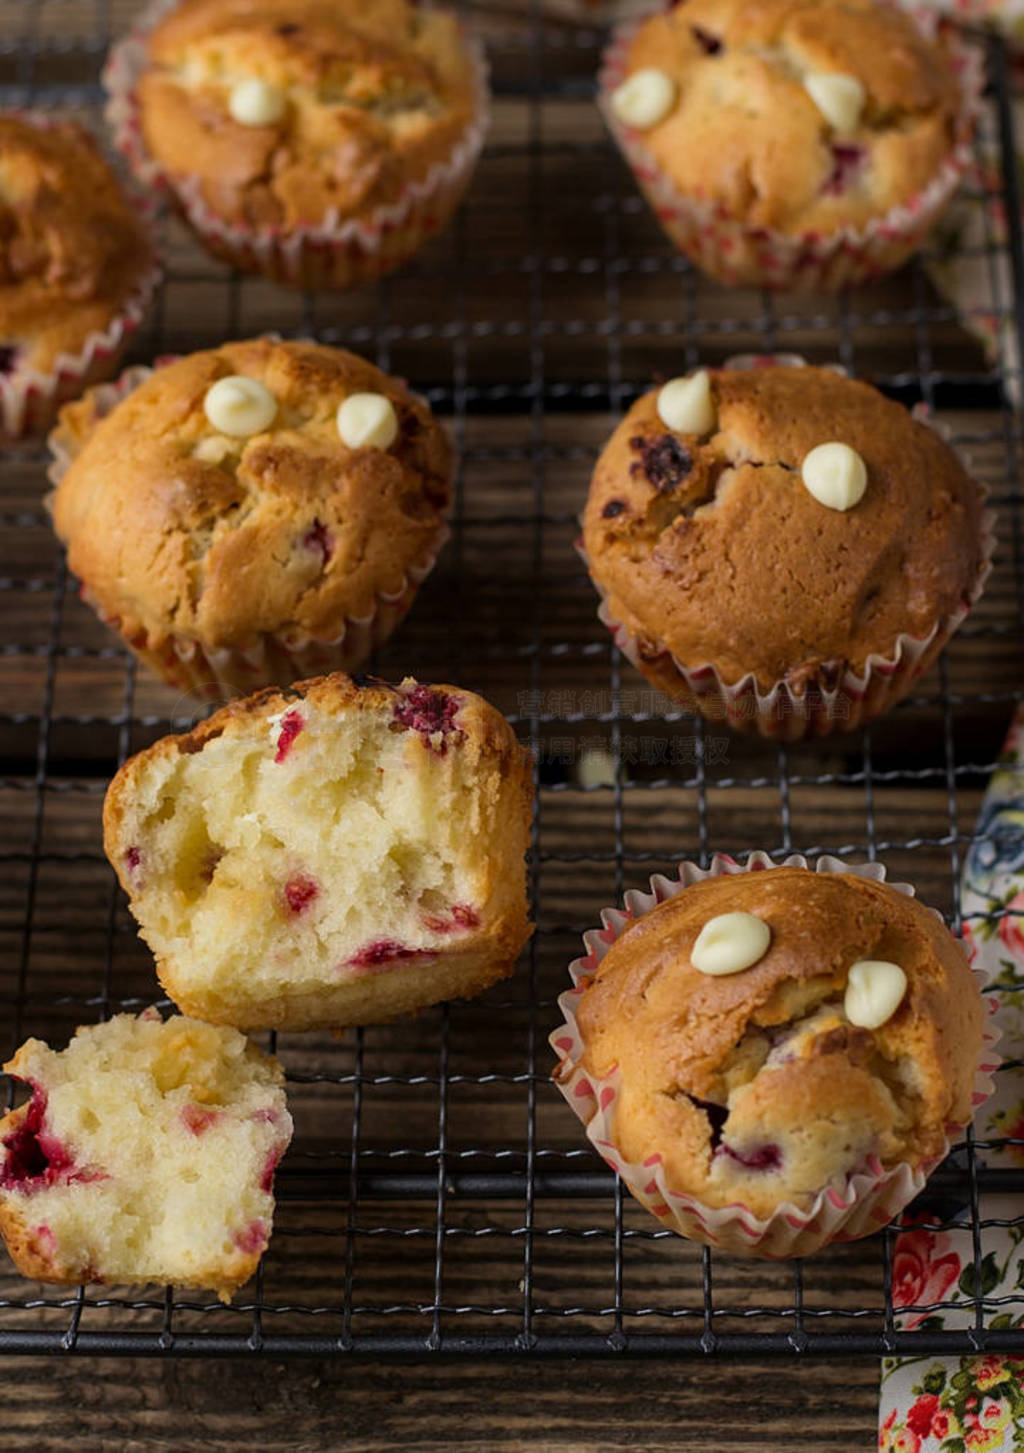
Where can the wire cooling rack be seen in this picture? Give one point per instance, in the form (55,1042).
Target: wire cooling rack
(438,1196)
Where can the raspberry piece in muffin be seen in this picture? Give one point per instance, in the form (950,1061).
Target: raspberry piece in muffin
(145,1154)
(372,869)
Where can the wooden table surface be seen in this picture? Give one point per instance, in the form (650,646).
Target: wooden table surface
(572,1407)
(551,298)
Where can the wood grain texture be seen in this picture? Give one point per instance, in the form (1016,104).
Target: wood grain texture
(561,1407)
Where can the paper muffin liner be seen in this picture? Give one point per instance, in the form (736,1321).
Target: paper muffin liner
(782,713)
(270,658)
(334,254)
(31,399)
(870,1199)
(736,253)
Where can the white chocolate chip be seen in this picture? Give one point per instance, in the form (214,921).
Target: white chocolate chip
(214,449)
(644,98)
(367,421)
(686,406)
(256,103)
(840,98)
(874,991)
(729,943)
(836,475)
(596,768)
(239,406)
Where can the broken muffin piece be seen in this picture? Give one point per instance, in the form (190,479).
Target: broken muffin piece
(146,1153)
(328,855)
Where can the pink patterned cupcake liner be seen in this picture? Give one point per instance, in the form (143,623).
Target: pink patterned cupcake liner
(781,713)
(334,254)
(738,254)
(870,1199)
(270,658)
(30,399)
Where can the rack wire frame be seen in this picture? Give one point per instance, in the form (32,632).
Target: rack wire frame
(702,1305)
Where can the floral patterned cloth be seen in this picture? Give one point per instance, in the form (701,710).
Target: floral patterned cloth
(974,1404)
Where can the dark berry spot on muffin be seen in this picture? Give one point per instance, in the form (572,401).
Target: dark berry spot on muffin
(431,713)
(291,724)
(33,1159)
(198,1118)
(663,461)
(460,917)
(847,159)
(385,951)
(8,357)
(299,892)
(709,44)
(612,508)
(320,539)
(410,424)
(762,1157)
(132,859)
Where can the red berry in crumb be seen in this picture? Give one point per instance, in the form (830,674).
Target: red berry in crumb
(253,1238)
(385,951)
(300,892)
(429,712)
(291,724)
(198,1118)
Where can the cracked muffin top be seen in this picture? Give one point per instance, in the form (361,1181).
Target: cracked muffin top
(759,1086)
(709,544)
(292,112)
(797,115)
(72,247)
(220,499)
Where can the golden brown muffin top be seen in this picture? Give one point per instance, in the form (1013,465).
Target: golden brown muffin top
(374,95)
(744,132)
(72,248)
(713,548)
(287,531)
(755,1087)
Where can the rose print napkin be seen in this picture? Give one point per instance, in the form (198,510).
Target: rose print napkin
(974,1404)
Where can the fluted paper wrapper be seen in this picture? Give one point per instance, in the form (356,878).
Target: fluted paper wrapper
(782,713)
(734,252)
(869,1200)
(270,658)
(335,253)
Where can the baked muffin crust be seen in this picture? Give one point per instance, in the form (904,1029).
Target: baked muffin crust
(72,248)
(744,132)
(176,529)
(713,549)
(374,96)
(756,1087)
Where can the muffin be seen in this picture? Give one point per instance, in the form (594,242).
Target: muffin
(802,144)
(329,855)
(145,1154)
(252,513)
(77,269)
(782,548)
(790,1049)
(320,143)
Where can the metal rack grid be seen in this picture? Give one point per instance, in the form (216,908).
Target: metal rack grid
(438,1196)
